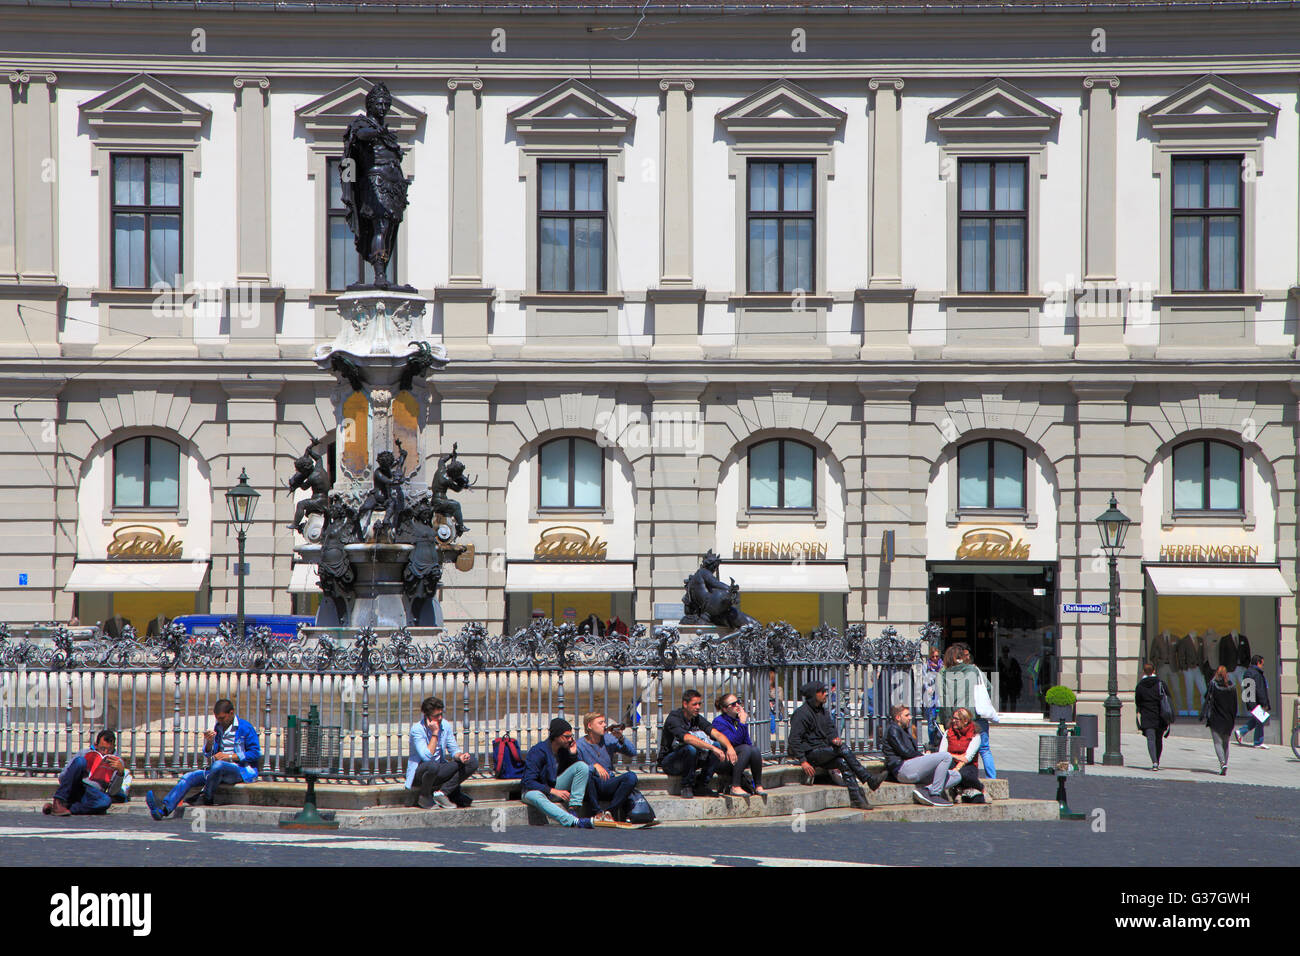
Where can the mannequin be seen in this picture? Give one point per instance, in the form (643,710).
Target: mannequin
(114,625)
(1162,656)
(155,627)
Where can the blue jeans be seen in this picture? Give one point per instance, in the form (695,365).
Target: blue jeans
(575,781)
(1259,730)
(76,795)
(220,772)
(610,793)
(986,755)
(932,725)
(684,761)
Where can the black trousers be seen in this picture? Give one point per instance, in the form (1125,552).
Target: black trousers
(840,758)
(1155,742)
(610,793)
(747,758)
(444,775)
(686,761)
(970,776)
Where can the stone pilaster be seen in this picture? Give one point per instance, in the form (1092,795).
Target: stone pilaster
(893,499)
(886,303)
(8,220)
(678,529)
(466,303)
(252,414)
(1100,310)
(676,301)
(28,451)
(1102,466)
(465,417)
(251,306)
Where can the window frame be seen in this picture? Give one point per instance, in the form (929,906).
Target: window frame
(1239,511)
(992,215)
(148,454)
(780,477)
(572,214)
(989,507)
(1204,213)
(572,460)
(781,215)
(148,210)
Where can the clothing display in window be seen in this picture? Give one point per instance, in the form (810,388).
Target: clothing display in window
(156,625)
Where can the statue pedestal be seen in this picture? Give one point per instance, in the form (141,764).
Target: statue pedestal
(379,599)
(380,330)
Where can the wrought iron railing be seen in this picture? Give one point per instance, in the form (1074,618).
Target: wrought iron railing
(57,693)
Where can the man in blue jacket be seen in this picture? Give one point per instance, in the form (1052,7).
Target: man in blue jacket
(235,753)
(435,764)
(1254,686)
(543,781)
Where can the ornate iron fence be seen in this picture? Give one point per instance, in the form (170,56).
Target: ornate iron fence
(56,694)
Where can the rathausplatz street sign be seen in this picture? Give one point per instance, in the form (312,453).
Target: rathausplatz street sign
(1083,608)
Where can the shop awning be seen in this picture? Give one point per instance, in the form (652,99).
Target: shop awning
(569,576)
(303,580)
(136,576)
(1233,581)
(784,576)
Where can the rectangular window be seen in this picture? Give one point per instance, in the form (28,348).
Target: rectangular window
(343,264)
(571,226)
(992,226)
(146,214)
(1206,228)
(781,218)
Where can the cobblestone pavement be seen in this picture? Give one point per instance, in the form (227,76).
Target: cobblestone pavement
(1150,820)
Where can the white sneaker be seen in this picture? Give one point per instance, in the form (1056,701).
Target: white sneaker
(837,778)
(1261,746)
(442,800)
(1236,734)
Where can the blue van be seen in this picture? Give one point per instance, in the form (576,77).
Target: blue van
(281,625)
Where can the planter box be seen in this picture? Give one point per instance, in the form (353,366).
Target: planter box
(1060,712)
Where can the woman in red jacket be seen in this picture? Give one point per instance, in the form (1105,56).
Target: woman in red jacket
(962,740)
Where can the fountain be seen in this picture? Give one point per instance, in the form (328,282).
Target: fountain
(380,533)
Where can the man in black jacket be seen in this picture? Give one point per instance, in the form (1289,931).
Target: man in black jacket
(906,764)
(686,746)
(815,742)
(1254,693)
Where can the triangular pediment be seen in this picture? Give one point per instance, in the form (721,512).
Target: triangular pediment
(142,104)
(328,116)
(572,108)
(997,107)
(782,107)
(1211,105)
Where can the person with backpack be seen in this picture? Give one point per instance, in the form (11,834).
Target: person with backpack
(544,782)
(1154,711)
(607,791)
(1220,713)
(436,766)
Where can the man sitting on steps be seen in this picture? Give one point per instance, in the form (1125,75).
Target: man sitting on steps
(235,753)
(436,766)
(686,746)
(815,742)
(905,763)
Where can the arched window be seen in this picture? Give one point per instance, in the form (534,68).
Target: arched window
(1207,476)
(991,475)
(782,475)
(571,474)
(146,473)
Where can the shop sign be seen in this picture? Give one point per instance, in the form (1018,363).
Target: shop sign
(143,541)
(780,550)
(569,543)
(1210,553)
(985,544)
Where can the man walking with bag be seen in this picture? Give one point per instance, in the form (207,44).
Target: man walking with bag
(1254,694)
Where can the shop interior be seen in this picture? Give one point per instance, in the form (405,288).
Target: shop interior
(147,611)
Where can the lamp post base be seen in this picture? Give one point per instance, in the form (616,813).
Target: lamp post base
(1112,756)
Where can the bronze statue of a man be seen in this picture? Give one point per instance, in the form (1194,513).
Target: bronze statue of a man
(374,188)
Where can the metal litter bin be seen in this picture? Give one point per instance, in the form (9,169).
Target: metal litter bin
(313,751)
(1063,755)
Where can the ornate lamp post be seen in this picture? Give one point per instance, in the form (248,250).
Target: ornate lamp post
(242,500)
(1113,525)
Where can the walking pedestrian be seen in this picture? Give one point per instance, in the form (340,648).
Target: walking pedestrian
(962,684)
(930,694)
(1255,686)
(1220,713)
(1151,714)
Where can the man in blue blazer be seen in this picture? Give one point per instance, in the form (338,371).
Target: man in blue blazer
(435,764)
(235,753)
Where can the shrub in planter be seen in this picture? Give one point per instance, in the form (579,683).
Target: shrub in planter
(1060,701)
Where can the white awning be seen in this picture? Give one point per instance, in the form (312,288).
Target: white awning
(569,576)
(1233,581)
(784,576)
(303,580)
(136,576)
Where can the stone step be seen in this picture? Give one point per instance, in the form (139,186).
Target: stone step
(290,793)
(828,803)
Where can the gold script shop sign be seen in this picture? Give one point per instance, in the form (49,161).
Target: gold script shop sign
(143,541)
(568,543)
(780,550)
(1210,553)
(991,544)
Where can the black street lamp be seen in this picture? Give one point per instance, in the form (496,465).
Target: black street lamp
(242,500)
(1113,525)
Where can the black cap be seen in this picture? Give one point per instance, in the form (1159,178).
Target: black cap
(811,688)
(560,727)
